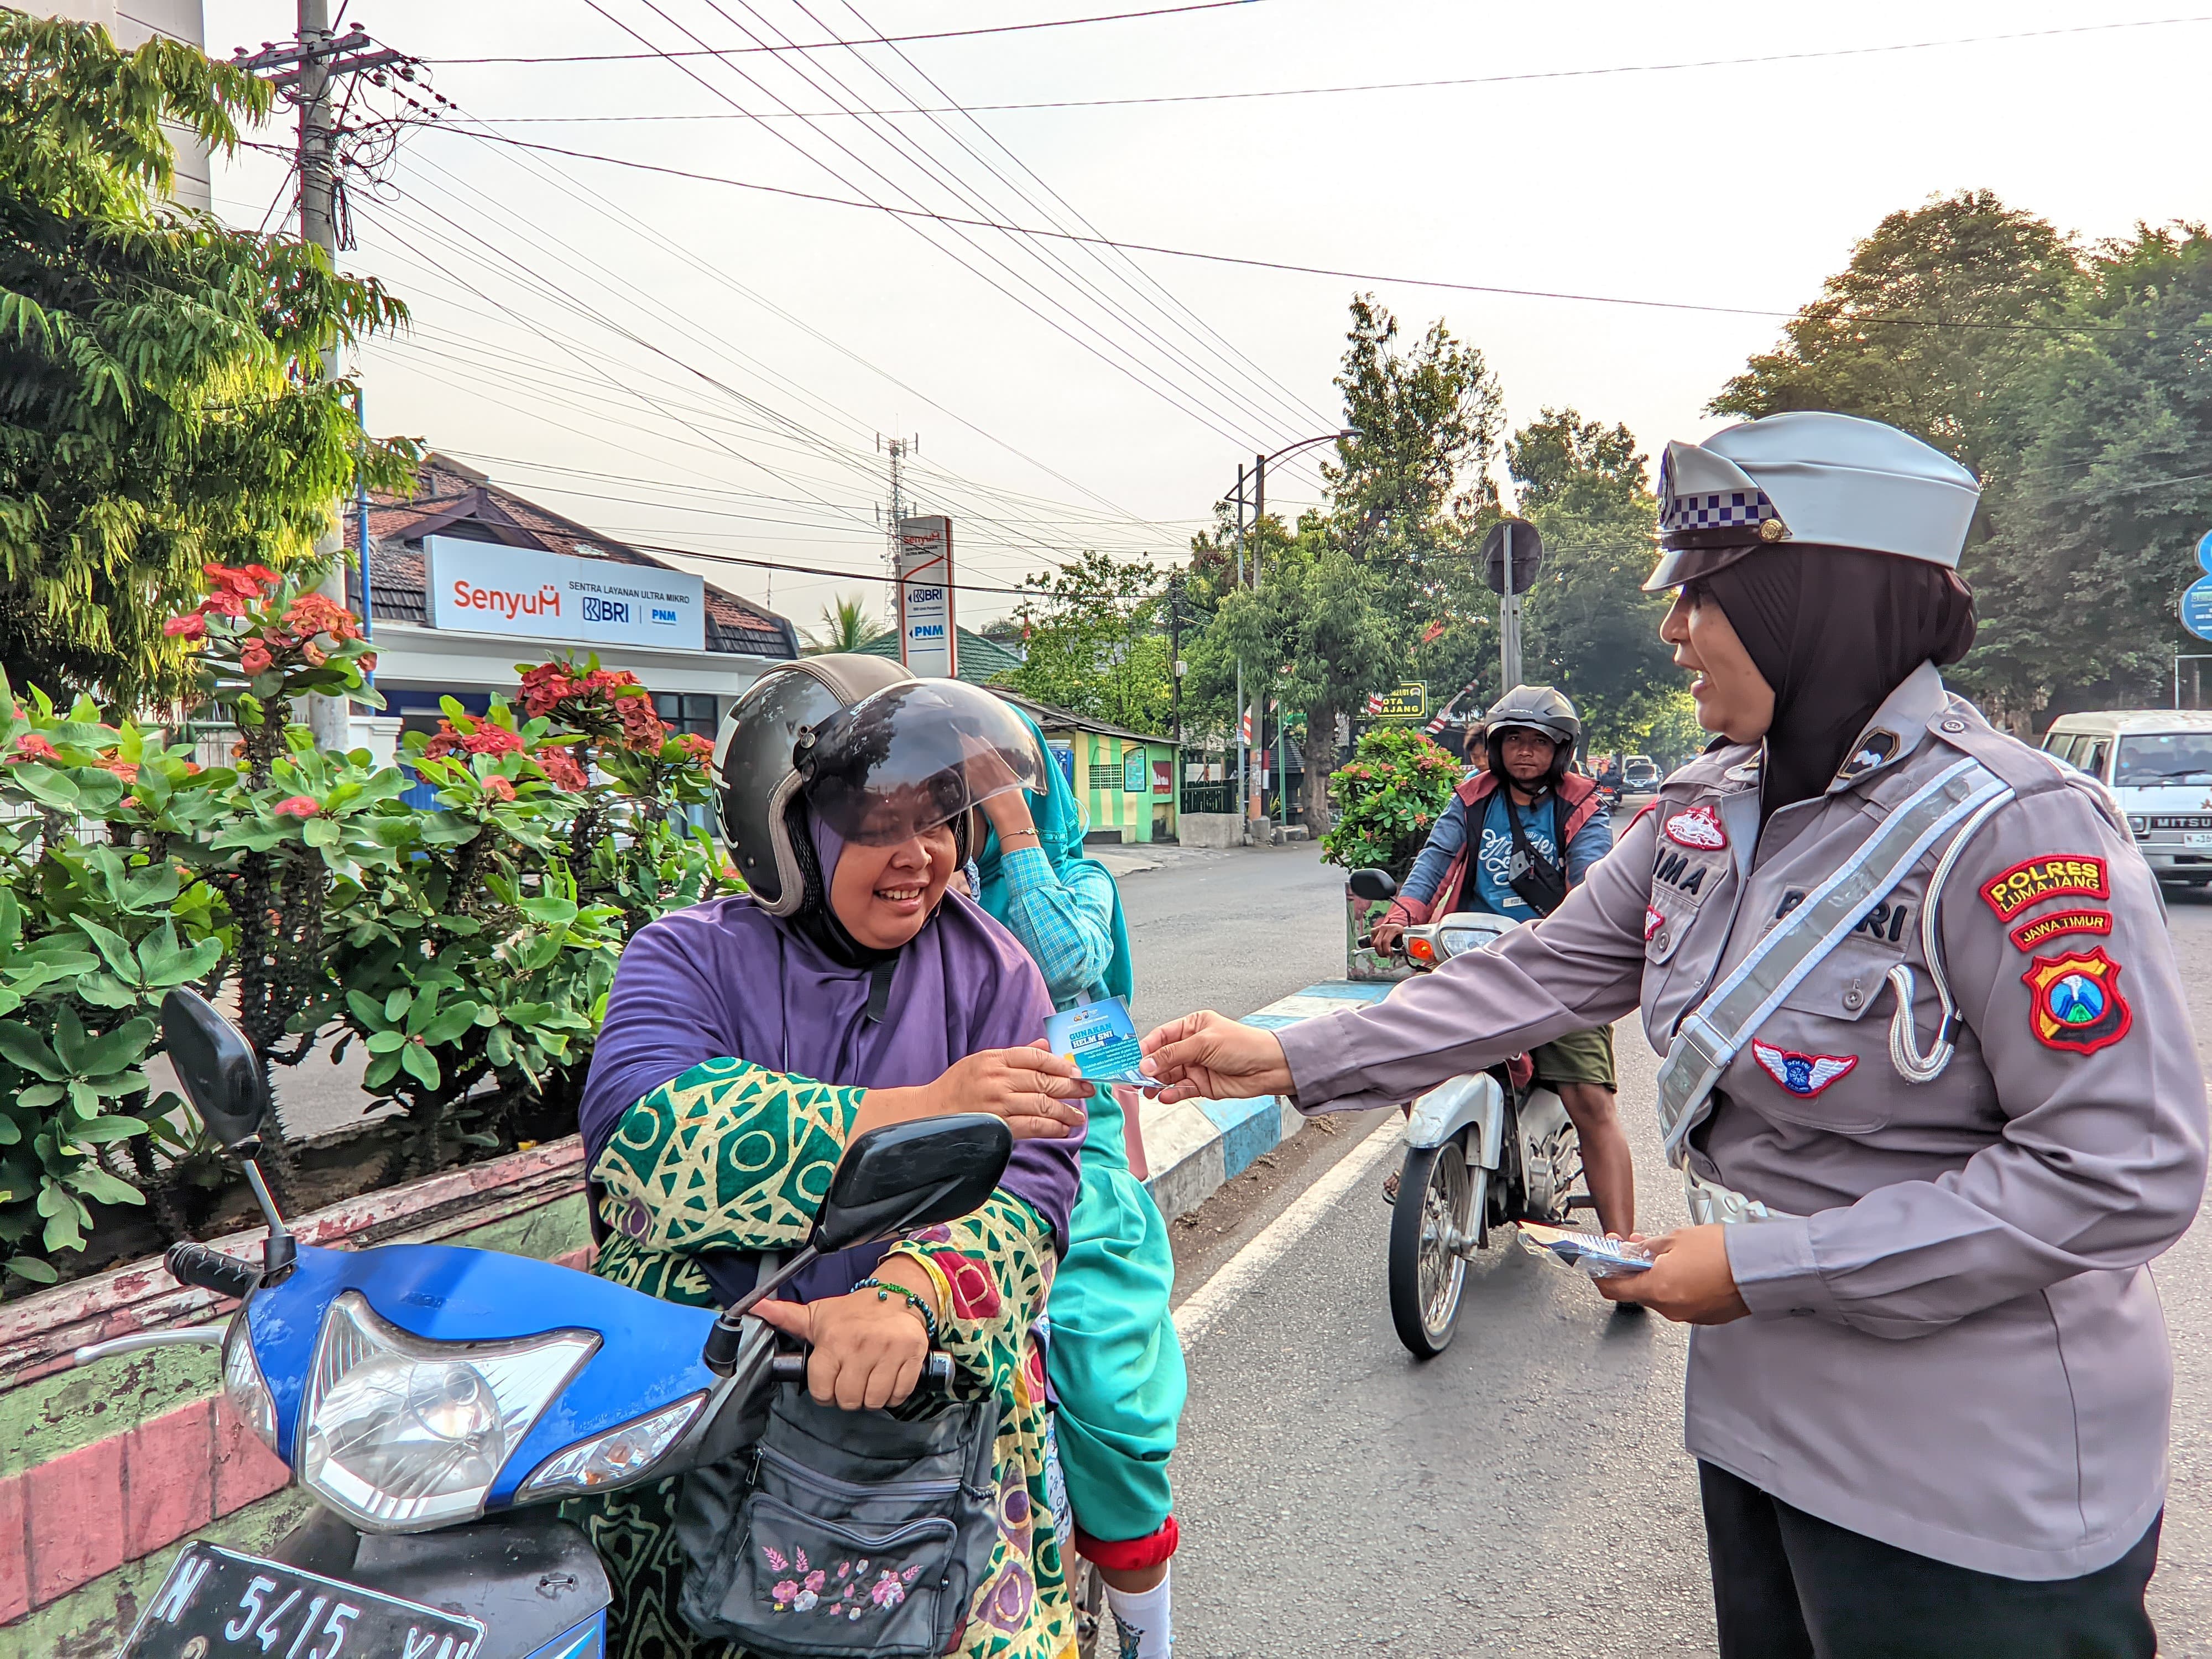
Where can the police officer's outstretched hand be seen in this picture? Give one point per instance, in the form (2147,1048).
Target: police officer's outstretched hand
(1205,1056)
(1690,1280)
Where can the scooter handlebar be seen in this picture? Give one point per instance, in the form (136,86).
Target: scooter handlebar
(936,1371)
(211,1270)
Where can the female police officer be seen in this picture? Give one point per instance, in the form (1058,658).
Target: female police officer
(1929,1079)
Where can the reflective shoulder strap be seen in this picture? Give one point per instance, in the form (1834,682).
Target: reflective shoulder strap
(1712,1035)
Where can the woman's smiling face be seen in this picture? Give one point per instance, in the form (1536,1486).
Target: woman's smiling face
(883,894)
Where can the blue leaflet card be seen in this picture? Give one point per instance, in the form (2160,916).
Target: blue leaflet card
(1101,1038)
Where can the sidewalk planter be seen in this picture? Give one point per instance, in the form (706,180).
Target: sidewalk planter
(1360,916)
(106,1471)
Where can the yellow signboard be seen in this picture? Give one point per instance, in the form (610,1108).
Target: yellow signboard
(1409,701)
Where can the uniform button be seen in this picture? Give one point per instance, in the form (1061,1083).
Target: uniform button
(1954,725)
(1660,938)
(1853,997)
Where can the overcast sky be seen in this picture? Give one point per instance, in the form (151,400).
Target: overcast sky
(711,365)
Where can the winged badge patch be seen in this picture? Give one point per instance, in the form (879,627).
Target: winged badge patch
(1802,1074)
(1698,828)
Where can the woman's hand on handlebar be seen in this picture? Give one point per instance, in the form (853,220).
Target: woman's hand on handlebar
(1206,1055)
(868,1349)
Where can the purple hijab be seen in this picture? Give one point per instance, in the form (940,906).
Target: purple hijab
(726,980)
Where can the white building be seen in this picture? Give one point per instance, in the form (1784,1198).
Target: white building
(467,580)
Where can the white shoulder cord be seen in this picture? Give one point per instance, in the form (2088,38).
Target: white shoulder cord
(1903,1039)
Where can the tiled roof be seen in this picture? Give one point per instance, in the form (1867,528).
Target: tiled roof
(1065,719)
(450,497)
(981,660)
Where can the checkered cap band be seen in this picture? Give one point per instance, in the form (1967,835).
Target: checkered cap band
(1716,512)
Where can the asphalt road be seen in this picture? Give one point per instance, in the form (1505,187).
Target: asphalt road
(1526,1492)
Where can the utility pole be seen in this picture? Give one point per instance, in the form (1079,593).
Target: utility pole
(1508,622)
(900,449)
(1243,719)
(304,69)
(1174,672)
(1255,805)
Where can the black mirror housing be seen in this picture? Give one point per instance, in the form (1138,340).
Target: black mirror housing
(1376,886)
(905,1176)
(217,1066)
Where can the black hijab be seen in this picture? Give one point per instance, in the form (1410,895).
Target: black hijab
(1834,630)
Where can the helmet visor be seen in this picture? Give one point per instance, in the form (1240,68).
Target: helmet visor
(910,758)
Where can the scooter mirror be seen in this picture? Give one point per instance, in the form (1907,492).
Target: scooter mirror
(912,1174)
(217,1069)
(1373,885)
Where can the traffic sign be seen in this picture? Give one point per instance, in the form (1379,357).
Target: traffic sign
(1528,554)
(2204,549)
(1409,701)
(2197,607)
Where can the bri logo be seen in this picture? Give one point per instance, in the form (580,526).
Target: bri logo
(605,611)
(545,602)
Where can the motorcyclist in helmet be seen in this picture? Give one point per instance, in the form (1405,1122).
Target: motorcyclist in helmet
(749,1039)
(1516,836)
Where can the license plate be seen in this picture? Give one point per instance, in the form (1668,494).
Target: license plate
(215,1604)
(2197,839)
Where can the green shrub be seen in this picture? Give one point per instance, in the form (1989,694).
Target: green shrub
(468,945)
(1389,795)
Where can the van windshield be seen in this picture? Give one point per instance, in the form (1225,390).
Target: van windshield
(2164,757)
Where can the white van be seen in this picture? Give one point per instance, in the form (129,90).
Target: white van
(2158,763)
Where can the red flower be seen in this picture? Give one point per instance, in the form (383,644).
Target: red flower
(225,603)
(315,655)
(641,727)
(442,742)
(127,770)
(544,687)
(192,625)
(297,806)
(31,747)
(367,662)
(498,788)
(560,766)
(246,581)
(697,747)
(974,1295)
(489,739)
(312,613)
(255,658)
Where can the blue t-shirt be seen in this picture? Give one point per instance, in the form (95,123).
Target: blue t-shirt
(1493,854)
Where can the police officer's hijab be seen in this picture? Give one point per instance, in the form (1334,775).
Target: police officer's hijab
(1834,631)
(1833,544)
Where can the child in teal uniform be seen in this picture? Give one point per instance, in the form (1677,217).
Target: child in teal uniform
(1113,1358)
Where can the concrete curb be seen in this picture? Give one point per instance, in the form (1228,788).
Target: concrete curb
(1195,1146)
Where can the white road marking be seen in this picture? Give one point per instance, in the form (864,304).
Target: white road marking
(1241,1271)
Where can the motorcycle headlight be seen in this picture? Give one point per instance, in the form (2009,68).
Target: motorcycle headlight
(618,1455)
(400,1434)
(242,1384)
(1453,941)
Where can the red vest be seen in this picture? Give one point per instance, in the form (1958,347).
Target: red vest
(1577,793)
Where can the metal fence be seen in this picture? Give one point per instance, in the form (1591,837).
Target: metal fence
(1219,796)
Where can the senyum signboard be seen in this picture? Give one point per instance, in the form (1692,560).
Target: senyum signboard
(481,587)
(927,644)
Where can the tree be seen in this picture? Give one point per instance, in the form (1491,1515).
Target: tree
(1095,642)
(162,407)
(846,626)
(1587,628)
(1938,310)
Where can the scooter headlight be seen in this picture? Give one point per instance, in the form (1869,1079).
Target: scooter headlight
(400,1434)
(1457,941)
(242,1384)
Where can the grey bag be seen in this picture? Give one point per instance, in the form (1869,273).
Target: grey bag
(845,1534)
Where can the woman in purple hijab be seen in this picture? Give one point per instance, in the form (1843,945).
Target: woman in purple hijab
(747,1040)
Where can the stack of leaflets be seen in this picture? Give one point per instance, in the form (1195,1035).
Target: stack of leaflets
(1589,1253)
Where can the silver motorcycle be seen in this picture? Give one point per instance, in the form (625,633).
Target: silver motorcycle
(1482,1151)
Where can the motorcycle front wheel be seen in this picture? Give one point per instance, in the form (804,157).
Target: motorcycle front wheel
(1432,1223)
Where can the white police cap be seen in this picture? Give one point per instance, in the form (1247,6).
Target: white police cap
(1833,480)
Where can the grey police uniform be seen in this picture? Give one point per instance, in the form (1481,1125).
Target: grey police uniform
(1954,1346)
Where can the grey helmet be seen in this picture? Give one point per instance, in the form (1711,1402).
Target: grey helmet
(1542,708)
(754,773)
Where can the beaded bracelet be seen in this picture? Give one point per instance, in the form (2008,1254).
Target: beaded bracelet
(914,1299)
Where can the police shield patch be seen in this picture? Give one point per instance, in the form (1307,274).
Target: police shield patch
(1698,828)
(2075,1001)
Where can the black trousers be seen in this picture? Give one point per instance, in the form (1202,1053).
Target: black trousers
(1789,1586)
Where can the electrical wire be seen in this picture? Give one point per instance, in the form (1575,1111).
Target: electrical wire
(828,45)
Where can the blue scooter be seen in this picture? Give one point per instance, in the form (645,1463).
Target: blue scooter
(429,1396)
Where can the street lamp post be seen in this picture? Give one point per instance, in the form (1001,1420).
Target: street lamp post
(1253,807)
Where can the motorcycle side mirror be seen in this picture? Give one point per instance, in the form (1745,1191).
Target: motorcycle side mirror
(1374,886)
(217,1066)
(890,1181)
(905,1176)
(223,1079)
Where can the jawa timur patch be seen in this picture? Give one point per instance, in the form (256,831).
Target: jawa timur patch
(2041,930)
